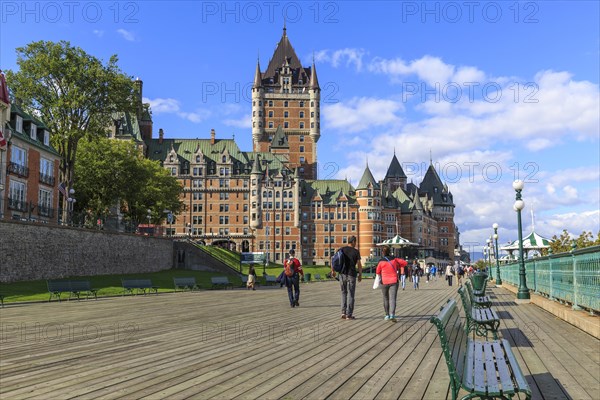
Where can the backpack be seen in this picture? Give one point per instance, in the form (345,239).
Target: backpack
(288,267)
(460,270)
(338,262)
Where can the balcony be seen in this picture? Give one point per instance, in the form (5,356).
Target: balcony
(17,205)
(45,211)
(47,179)
(17,169)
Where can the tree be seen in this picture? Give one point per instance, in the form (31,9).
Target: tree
(563,243)
(72,92)
(114,173)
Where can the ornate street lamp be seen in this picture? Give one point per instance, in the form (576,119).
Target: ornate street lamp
(523,292)
(498,279)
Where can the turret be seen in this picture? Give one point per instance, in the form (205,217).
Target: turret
(315,105)
(257,107)
(255,189)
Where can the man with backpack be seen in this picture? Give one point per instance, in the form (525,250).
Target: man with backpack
(351,271)
(292,271)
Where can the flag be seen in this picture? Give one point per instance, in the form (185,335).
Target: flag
(2,141)
(61,188)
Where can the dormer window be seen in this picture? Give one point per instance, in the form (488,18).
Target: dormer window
(171,158)
(46,138)
(197,159)
(33,132)
(19,124)
(224,159)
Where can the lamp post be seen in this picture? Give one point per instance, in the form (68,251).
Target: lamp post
(523,292)
(71,204)
(489,255)
(498,279)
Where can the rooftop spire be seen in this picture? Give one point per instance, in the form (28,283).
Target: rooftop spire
(257,75)
(314,81)
(284,28)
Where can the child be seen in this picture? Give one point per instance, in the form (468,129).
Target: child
(251,278)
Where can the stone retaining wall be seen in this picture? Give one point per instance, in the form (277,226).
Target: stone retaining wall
(31,251)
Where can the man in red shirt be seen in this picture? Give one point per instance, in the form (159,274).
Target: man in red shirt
(388,268)
(293,282)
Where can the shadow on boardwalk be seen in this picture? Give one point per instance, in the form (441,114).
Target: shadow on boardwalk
(240,344)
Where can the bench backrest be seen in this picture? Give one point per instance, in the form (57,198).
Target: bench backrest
(469,288)
(219,280)
(80,285)
(136,283)
(184,281)
(466,301)
(58,286)
(453,340)
(270,278)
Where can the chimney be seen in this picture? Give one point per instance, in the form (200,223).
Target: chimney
(161,135)
(212,136)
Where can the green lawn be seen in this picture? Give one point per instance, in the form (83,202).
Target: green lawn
(110,285)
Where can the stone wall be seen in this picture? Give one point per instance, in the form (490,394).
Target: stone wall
(30,251)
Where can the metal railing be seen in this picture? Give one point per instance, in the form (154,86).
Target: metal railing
(47,179)
(17,169)
(17,204)
(572,277)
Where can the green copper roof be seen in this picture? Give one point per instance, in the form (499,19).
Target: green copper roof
(366,179)
(329,189)
(280,140)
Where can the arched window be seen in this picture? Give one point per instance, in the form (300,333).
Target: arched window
(285,103)
(224,159)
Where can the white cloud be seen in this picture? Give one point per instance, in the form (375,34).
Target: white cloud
(430,69)
(244,122)
(361,113)
(127,35)
(348,57)
(98,33)
(172,106)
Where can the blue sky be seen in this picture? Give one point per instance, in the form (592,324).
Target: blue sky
(492,89)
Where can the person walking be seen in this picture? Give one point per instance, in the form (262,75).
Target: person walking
(433,271)
(403,273)
(427,272)
(352,271)
(460,272)
(416,273)
(251,278)
(388,269)
(293,272)
(449,274)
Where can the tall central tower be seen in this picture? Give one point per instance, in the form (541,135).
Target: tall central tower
(286,100)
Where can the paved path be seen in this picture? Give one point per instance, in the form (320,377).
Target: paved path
(244,345)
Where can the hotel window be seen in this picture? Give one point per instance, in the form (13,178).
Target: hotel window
(301,104)
(301,125)
(285,103)
(270,103)
(16,192)
(46,167)
(18,156)
(270,114)
(302,160)
(301,114)
(46,138)
(19,124)
(286,124)
(270,124)
(302,138)
(301,149)
(286,114)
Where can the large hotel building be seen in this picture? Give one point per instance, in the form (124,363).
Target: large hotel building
(270,200)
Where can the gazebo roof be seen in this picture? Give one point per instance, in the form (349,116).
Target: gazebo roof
(533,241)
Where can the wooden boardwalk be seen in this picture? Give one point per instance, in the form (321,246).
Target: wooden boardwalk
(244,345)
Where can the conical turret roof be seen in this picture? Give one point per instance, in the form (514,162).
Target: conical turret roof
(366,179)
(284,51)
(395,169)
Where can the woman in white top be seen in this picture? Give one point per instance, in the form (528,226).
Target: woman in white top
(449,274)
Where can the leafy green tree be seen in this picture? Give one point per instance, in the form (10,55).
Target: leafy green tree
(114,173)
(73,92)
(564,242)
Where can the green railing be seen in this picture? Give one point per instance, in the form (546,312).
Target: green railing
(572,277)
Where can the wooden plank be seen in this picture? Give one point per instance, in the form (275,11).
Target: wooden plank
(504,373)
(491,376)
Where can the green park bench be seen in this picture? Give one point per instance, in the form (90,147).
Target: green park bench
(478,301)
(485,369)
(185,283)
(479,319)
(318,277)
(220,281)
(134,286)
(75,288)
(270,280)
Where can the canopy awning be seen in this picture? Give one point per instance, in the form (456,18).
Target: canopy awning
(397,242)
(533,241)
